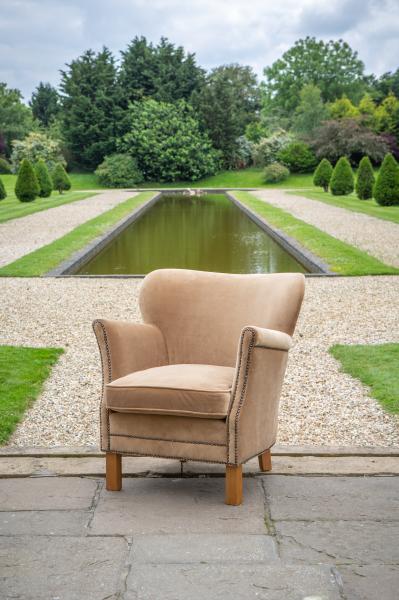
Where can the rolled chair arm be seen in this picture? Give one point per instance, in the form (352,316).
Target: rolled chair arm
(127,347)
(270,338)
(252,416)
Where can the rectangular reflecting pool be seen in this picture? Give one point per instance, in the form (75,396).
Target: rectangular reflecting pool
(207,233)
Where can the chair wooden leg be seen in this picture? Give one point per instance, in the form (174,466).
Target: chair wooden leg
(233,485)
(265,461)
(113,472)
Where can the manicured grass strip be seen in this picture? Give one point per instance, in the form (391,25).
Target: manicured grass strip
(12,208)
(44,259)
(376,366)
(368,207)
(250,178)
(342,258)
(23,372)
(242,178)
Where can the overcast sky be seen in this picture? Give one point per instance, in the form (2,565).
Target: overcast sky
(37,37)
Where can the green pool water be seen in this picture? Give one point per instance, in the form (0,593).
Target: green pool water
(208,233)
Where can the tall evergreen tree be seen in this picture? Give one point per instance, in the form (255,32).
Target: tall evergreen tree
(91,107)
(322,175)
(163,72)
(342,181)
(386,189)
(228,102)
(45,103)
(44,179)
(61,181)
(365,179)
(26,186)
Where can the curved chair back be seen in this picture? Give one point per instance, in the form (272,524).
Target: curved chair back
(201,314)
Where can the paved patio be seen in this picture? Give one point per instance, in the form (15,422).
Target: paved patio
(173,538)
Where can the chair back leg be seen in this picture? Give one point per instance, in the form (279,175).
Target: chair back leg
(265,461)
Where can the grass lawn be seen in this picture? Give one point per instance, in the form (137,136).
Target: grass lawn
(12,208)
(246,178)
(342,258)
(44,259)
(251,177)
(23,372)
(352,202)
(376,366)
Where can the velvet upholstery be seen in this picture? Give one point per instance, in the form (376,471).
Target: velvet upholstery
(184,390)
(201,378)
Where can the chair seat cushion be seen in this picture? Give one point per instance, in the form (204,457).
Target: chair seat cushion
(184,390)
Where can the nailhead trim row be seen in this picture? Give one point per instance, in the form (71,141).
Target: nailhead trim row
(141,437)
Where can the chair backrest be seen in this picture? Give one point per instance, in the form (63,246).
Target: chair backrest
(201,314)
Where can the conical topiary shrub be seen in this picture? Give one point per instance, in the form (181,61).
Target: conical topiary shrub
(61,181)
(43,178)
(26,187)
(342,180)
(3,193)
(365,179)
(386,189)
(322,175)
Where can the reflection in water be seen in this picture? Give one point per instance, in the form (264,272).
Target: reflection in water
(208,233)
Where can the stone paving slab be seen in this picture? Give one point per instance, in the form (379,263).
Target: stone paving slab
(238,582)
(370,582)
(332,498)
(344,542)
(46,493)
(63,568)
(174,539)
(25,466)
(204,548)
(44,522)
(170,506)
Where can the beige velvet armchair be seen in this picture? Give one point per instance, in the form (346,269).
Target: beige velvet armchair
(200,379)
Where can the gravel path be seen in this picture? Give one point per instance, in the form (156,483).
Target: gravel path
(320,405)
(21,236)
(375,236)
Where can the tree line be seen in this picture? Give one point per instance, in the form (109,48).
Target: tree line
(166,118)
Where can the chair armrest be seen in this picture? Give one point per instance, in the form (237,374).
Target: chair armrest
(252,416)
(127,347)
(272,339)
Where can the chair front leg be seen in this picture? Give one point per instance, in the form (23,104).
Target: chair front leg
(113,472)
(233,485)
(265,461)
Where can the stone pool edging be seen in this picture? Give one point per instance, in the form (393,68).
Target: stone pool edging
(71,264)
(69,267)
(292,246)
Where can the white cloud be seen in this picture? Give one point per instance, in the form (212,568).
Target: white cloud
(37,37)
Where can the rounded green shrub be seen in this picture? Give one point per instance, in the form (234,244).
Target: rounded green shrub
(61,181)
(27,186)
(5,167)
(386,189)
(44,179)
(322,175)
(298,157)
(342,180)
(275,172)
(3,193)
(118,171)
(365,179)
